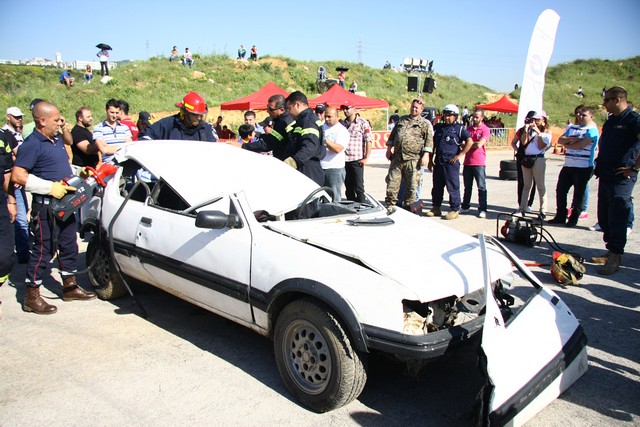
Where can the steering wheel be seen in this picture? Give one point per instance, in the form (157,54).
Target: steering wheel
(300,210)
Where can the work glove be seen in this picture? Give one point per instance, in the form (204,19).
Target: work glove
(85,173)
(59,189)
(291,162)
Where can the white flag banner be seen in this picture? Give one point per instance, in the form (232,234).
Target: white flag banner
(540,49)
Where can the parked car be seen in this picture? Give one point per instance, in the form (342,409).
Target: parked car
(249,238)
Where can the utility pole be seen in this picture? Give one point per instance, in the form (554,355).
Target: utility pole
(360,51)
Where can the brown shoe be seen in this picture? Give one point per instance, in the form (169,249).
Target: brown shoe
(452,215)
(434,212)
(602,259)
(34,303)
(71,291)
(612,265)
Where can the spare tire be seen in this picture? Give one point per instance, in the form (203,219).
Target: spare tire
(508,165)
(508,175)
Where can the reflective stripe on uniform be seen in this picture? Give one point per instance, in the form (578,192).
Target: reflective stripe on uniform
(308,131)
(276,135)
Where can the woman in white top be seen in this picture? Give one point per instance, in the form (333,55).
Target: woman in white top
(537,141)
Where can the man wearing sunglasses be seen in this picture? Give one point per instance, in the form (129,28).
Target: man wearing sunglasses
(279,139)
(617,168)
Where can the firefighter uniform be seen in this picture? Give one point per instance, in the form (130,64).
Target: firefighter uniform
(278,140)
(173,127)
(307,148)
(47,159)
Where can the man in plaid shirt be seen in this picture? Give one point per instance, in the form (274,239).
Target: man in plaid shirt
(357,152)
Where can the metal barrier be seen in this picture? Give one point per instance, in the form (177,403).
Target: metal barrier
(500,137)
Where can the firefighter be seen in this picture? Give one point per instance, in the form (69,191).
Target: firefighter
(307,148)
(188,124)
(41,166)
(280,137)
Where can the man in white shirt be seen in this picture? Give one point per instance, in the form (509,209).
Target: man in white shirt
(336,138)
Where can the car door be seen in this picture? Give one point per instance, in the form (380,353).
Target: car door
(207,267)
(531,358)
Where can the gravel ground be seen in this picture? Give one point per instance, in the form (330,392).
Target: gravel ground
(100,363)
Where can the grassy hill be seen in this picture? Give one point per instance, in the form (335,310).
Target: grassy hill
(156,85)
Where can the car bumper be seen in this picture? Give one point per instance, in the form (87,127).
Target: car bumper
(429,346)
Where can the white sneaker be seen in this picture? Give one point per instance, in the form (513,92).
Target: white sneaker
(595,227)
(528,209)
(482,214)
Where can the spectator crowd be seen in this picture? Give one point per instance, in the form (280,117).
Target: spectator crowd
(38,156)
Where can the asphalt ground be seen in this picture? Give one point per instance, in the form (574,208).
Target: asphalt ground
(100,363)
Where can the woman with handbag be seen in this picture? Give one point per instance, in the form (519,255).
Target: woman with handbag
(536,141)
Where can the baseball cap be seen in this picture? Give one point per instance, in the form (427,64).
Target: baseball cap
(540,115)
(321,108)
(35,102)
(15,112)
(145,117)
(266,122)
(346,106)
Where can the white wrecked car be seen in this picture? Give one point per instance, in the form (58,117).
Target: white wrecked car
(249,238)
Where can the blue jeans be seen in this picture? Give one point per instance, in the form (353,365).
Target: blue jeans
(334,179)
(477,173)
(21,226)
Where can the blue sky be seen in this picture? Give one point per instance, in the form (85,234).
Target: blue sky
(482,42)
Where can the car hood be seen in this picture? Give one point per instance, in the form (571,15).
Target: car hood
(430,259)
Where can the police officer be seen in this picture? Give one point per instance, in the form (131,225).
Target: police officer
(280,136)
(8,207)
(188,124)
(41,165)
(451,142)
(307,149)
(409,141)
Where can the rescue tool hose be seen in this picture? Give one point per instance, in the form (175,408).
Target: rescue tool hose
(111,246)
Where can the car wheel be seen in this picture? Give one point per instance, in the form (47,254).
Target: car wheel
(315,358)
(102,275)
(508,175)
(508,165)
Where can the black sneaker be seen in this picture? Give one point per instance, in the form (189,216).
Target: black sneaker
(556,220)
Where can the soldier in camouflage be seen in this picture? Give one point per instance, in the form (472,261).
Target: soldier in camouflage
(407,145)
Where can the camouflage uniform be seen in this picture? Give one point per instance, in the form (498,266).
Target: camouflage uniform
(410,139)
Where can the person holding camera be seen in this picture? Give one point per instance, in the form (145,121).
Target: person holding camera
(535,141)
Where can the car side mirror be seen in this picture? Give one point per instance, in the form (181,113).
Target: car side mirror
(217,220)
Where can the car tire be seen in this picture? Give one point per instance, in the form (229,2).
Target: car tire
(106,282)
(508,165)
(315,358)
(508,175)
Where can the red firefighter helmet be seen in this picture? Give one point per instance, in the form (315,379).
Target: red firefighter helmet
(193,103)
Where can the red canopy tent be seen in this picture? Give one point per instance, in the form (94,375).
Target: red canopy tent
(255,101)
(502,105)
(337,96)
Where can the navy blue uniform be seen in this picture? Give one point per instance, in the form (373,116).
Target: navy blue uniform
(6,228)
(277,141)
(307,148)
(619,147)
(173,128)
(48,159)
(448,141)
